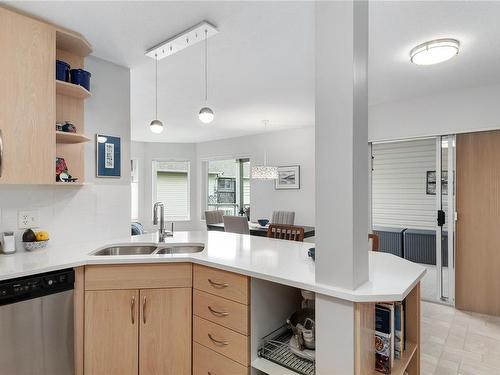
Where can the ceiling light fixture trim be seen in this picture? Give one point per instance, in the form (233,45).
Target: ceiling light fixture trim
(434,51)
(182,40)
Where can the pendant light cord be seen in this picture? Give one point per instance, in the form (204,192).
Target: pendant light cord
(206,65)
(156,86)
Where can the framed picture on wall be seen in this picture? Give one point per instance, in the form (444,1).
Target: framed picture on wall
(288,178)
(108,156)
(431,183)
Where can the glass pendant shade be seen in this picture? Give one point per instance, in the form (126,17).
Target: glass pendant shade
(206,115)
(264,172)
(156,126)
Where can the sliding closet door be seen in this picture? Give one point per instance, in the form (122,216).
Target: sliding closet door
(478,224)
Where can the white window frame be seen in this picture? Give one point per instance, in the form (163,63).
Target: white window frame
(153,184)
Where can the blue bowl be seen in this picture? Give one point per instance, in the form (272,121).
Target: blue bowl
(263,222)
(62,71)
(81,77)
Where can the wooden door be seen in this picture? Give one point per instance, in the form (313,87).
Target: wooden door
(478,207)
(165,331)
(111,332)
(27,105)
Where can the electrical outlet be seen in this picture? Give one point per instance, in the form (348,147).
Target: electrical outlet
(27,219)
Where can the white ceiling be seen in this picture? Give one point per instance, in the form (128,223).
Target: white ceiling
(398,26)
(261,64)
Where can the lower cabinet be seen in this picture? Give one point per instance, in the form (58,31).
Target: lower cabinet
(111,332)
(146,330)
(221,322)
(165,331)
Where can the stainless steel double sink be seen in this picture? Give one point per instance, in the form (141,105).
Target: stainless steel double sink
(149,249)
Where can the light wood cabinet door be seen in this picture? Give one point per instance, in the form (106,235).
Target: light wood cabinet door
(27,105)
(111,332)
(165,331)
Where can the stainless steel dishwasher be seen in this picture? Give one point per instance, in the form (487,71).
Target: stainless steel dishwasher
(36,324)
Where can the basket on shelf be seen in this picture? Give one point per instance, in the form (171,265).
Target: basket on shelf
(274,347)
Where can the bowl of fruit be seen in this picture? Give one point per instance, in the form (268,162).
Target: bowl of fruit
(35,240)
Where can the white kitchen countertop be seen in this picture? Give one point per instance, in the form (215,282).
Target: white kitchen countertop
(284,262)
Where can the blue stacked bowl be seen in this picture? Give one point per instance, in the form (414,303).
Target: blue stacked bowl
(62,71)
(81,77)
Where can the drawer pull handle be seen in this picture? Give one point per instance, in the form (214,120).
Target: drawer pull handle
(132,309)
(217,313)
(144,310)
(218,342)
(218,285)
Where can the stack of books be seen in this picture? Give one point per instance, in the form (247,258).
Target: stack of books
(389,335)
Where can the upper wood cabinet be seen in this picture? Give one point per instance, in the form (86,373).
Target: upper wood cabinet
(27,99)
(31,101)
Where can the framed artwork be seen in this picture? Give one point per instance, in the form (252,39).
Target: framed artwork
(108,156)
(430,188)
(288,178)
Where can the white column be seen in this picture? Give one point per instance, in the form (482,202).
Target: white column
(342,143)
(341,175)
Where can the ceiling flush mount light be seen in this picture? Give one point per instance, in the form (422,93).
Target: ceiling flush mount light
(264,172)
(206,115)
(156,125)
(434,51)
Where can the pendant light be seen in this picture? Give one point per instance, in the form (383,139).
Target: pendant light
(264,172)
(206,115)
(156,125)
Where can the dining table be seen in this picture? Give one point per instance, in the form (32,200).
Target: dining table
(257,230)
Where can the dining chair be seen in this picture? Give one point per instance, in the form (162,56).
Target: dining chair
(285,232)
(236,224)
(375,241)
(214,217)
(283,217)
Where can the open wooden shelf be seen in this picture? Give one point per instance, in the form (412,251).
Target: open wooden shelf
(65,137)
(70,89)
(72,42)
(400,365)
(60,183)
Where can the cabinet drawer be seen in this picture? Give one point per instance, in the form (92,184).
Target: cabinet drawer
(222,283)
(206,361)
(222,311)
(222,340)
(138,276)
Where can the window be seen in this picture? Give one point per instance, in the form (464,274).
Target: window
(228,183)
(134,189)
(171,187)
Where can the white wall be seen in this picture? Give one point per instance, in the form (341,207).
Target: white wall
(146,153)
(291,147)
(101,209)
(463,111)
